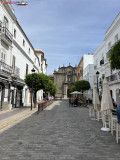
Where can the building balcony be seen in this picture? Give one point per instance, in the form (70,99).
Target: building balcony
(5,34)
(8,70)
(5,69)
(114,78)
(15,72)
(101,62)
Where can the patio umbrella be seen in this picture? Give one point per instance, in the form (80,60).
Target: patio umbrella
(96,100)
(76,92)
(106,103)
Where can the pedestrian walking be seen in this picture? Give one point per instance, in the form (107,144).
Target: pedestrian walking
(69,101)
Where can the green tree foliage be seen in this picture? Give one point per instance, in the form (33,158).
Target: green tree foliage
(35,79)
(73,89)
(82,85)
(53,89)
(115,56)
(40,81)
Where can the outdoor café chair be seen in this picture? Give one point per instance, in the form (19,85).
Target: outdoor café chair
(117,131)
(113,123)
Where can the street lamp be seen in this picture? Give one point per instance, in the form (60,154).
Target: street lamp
(33,71)
(97,75)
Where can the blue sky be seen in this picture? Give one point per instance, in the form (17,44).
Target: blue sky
(66,29)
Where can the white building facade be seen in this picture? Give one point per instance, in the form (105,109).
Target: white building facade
(88,76)
(85,70)
(87,59)
(17,59)
(102,64)
(88,69)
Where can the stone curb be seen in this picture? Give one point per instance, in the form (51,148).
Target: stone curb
(8,122)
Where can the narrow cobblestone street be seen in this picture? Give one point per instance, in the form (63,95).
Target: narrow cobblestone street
(63,133)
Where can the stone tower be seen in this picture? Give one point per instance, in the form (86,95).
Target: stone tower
(64,79)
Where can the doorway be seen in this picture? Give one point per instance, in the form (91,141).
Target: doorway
(0,97)
(2,90)
(68,93)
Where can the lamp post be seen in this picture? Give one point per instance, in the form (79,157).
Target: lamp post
(97,75)
(33,71)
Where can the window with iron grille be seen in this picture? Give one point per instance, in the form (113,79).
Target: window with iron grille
(2,56)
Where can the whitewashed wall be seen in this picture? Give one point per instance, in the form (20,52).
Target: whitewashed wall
(4,13)
(87,59)
(110,38)
(22,54)
(89,76)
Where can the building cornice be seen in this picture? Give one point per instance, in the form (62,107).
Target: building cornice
(9,9)
(109,32)
(112,23)
(112,29)
(17,23)
(99,48)
(22,51)
(39,51)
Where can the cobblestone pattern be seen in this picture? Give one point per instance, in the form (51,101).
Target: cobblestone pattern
(63,133)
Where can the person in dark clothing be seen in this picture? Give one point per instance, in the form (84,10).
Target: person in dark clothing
(118,113)
(69,101)
(76,101)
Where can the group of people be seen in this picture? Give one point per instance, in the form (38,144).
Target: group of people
(73,101)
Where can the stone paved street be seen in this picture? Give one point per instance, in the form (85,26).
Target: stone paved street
(63,133)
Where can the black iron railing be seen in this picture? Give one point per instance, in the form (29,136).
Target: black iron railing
(5,68)
(113,77)
(6,32)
